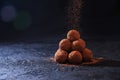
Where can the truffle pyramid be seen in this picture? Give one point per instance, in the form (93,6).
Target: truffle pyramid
(72,49)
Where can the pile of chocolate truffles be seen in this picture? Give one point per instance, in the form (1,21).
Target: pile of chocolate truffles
(73,49)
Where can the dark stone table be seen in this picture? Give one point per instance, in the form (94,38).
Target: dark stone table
(31,61)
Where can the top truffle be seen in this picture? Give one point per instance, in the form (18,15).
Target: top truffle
(73,35)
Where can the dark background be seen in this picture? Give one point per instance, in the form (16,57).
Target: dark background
(98,18)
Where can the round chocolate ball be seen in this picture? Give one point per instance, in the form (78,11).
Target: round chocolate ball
(73,35)
(87,54)
(75,57)
(60,56)
(65,44)
(78,45)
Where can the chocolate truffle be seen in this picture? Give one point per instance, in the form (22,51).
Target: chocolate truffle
(78,45)
(60,56)
(65,44)
(87,54)
(73,35)
(75,57)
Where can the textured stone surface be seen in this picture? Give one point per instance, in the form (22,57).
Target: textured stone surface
(31,61)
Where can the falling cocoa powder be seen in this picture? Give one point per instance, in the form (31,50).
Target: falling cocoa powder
(73,14)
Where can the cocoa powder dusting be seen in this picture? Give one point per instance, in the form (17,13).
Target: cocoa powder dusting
(73,14)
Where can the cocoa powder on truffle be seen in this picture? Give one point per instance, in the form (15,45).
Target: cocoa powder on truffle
(73,50)
(65,44)
(73,35)
(75,57)
(61,56)
(78,45)
(87,54)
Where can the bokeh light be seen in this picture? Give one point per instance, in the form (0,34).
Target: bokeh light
(23,21)
(8,13)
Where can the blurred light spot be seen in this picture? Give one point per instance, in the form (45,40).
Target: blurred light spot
(22,21)
(8,13)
